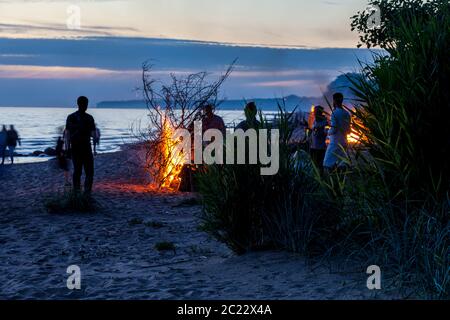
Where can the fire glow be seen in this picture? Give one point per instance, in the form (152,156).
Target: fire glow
(174,160)
(353,138)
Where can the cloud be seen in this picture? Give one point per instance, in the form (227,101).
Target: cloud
(109,68)
(122,53)
(277,73)
(50,27)
(57,72)
(282,84)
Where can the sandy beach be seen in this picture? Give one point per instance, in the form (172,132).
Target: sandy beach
(115,247)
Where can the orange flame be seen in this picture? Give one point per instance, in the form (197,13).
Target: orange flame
(311,117)
(173,160)
(353,138)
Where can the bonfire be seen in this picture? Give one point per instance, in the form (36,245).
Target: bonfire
(353,138)
(173,106)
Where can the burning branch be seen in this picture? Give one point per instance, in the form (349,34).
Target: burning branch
(173,106)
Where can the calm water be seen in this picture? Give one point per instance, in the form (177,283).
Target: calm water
(39,128)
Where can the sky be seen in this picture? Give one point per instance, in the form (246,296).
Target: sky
(51,51)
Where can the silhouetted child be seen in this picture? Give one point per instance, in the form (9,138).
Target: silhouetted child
(96,139)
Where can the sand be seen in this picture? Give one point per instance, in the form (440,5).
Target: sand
(115,247)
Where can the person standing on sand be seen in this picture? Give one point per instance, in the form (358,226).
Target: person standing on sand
(12,138)
(97,137)
(80,128)
(340,128)
(3,138)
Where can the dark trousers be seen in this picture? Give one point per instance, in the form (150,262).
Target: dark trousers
(3,153)
(82,158)
(317,156)
(10,151)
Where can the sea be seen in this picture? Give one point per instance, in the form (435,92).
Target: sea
(39,128)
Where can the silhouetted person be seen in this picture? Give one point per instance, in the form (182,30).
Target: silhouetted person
(12,138)
(340,128)
(250,122)
(3,139)
(212,121)
(319,137)
(96,139)
(299,126)
(80,128)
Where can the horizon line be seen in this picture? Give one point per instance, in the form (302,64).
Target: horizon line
(191,41)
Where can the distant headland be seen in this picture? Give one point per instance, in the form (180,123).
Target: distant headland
(290,103)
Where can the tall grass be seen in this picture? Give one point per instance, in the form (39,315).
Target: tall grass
(392,205)
(400,188)
(70,202)
(249,211)
(405,108)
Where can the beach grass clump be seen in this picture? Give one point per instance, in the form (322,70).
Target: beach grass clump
(404,103)
(396,199)
(408,239)
(70,202)
(392,205)
(248,211)
(165,246)
(232,205)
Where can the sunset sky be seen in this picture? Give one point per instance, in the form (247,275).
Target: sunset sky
(269,22)
(283,47)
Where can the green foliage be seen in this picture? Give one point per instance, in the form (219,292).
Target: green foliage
(398,189)
(405,106)
(70,202)
(248,211)
(391,206)
(393,13)
(409,238)
(232,205)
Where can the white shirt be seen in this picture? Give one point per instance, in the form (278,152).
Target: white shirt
(340,127)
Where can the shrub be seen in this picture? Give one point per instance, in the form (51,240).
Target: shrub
(404,101)
(248,211)
(70,202)
(395,205)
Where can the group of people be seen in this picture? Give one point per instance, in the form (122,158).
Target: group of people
(213,121)
(331,156)
(81,128)
(325,156)
(8,142)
